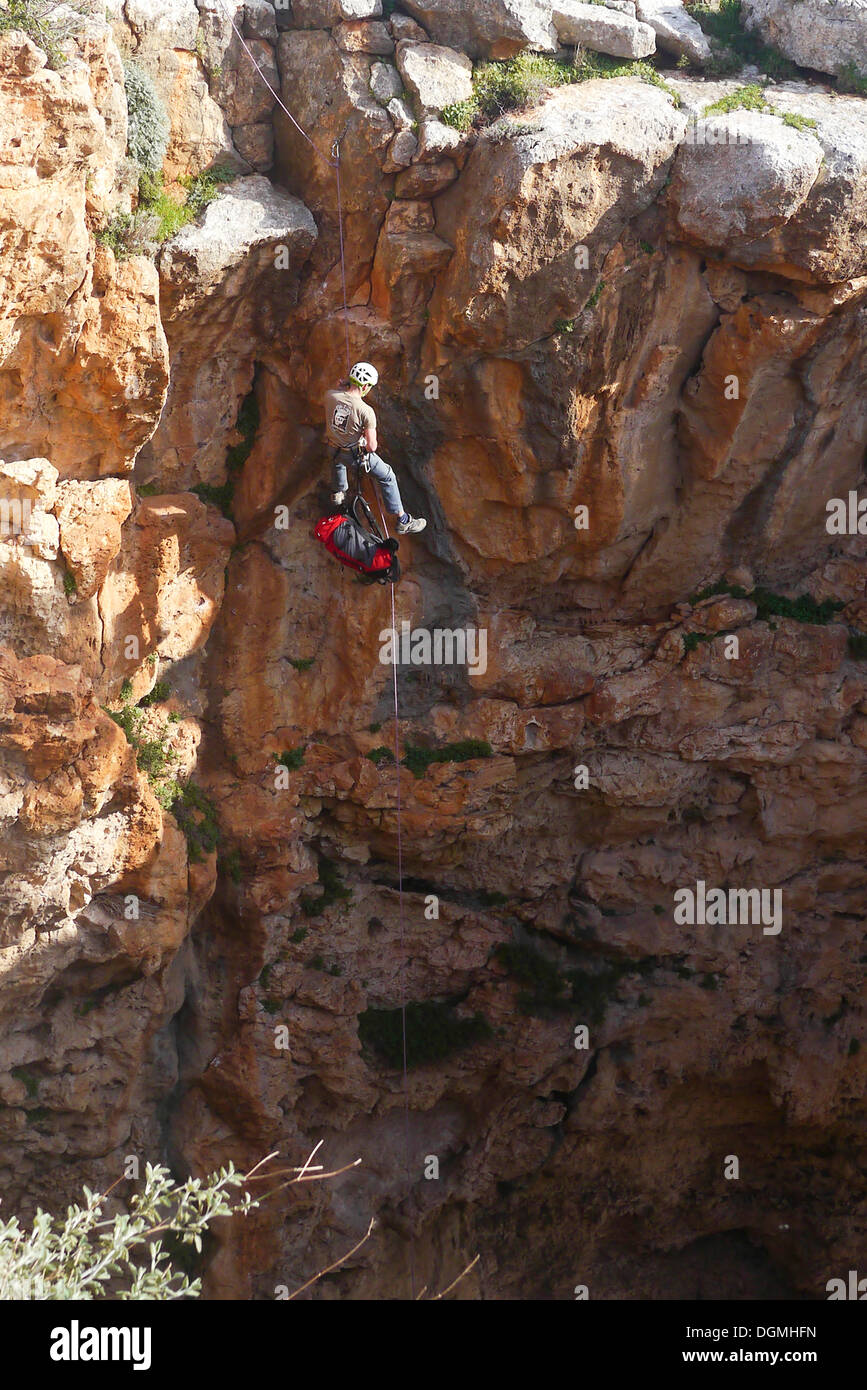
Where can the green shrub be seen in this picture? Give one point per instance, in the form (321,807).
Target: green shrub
(380,755)
(301,663)
(39,20)
(802,609)
(546,988)
(129,718)
(849,79)
(752,98)
(333,890)
(691,640)
(86,1254)
(597,65)
(418,759)
(159,214)
(735,45)
(293,758)
(433,1031)
(220,497)
(130,234)
(196,815)
(153,757)
(229,864)
(148,124)
(69,585)
(161,691)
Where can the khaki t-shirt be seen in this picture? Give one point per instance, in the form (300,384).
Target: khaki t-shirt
(346,418)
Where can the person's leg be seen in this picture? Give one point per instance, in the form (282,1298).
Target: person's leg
(384,475)
(338,465)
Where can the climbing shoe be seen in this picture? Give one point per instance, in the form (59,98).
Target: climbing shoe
(411,525)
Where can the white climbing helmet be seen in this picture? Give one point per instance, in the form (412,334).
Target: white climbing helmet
(363,375)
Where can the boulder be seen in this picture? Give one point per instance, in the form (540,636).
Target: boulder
(676,30)
(401,151)
(400,113)
(425,180)
(241,94)
(163,23)
(260,20)
(385,82)
(829,35)
(595,158)
(255,144)
(435,75)
(828,237)
(602,29)
(406,262)
(743,176)
(402,27)
(436,139)
(249,215)
(364,36)
(323,14)
(90,517)
(488,28)
(225,283)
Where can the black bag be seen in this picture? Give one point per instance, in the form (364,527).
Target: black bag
(374,560)
(352,536)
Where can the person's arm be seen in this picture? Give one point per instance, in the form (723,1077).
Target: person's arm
(370,434)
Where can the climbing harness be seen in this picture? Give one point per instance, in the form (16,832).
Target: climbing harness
(334,162)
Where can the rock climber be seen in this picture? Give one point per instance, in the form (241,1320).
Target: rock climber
(351,424)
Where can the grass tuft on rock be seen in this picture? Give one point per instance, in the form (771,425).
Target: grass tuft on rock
(419,759)
(521,82)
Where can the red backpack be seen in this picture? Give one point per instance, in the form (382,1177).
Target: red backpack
(372,557)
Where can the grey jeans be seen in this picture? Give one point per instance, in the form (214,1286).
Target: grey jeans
(379,469)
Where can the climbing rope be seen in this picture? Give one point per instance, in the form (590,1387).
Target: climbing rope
(334,163)
(263,78)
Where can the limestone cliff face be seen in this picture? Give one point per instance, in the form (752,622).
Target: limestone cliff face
(622,350)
